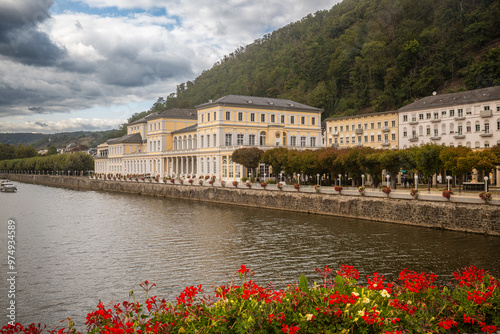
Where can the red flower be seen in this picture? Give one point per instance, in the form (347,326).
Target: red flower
(348,272)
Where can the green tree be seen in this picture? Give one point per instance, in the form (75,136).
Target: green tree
(25,151)
(52,150)
(428,162)
(248,157)
(452,160)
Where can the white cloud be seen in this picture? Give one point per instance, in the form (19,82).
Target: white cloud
(83,61)
(66,125)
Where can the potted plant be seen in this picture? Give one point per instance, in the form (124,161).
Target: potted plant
(263,185)
(235,184)
(223,184)
(200,182)
(317,188)
(279,185)
(297,186)
(211,182)
(485,196)
(190,181)
(414,193)
(248,184)
(172,180)
(339,189)
(386,190)
(362,190)
(447,194)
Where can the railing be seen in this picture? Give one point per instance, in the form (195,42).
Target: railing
(459,136)
(358,131)
(385,129)
(413,139)
(486,113)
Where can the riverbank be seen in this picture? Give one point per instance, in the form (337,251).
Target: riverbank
(461,213)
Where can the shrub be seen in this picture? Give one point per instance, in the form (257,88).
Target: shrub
(297,186)
(338,189)
(386,190)
(263,185)
(447,194)
(414,193)
(485,196)
(362,190)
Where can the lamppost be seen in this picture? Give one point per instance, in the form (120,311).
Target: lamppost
(416,181)
(363,180)
(264,177)
(317,177)
(486,184)
(388,177)
(298,178)
(449,179)
(340,178)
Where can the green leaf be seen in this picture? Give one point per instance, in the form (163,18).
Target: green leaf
(339,280)
(303,283)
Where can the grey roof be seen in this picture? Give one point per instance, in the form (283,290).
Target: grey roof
(175,113)
(134,138)
(453,99)
(259,102)
(186,129)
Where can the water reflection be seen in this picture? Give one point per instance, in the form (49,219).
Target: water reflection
(76,247)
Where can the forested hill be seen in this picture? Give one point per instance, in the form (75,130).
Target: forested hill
(361,56)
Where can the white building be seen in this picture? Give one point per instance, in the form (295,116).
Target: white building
(469,118)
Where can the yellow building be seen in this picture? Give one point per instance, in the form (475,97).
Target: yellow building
(377,130)
(182,142)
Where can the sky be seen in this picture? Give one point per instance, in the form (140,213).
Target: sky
(68,65)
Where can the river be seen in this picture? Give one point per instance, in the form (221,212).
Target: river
(74,248)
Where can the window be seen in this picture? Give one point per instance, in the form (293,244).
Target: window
(386,138)
(372,138)
(486,144)
(302,120)
(379,125)
(239,139)
(372,125)
(452,113)
(202,117)
(240,117)
(366,126)
(341,128)
(201,142)
(460,113)
(302,141)
(393,123)
(335,128)
(293,140)
(459,130)
(229,139)
(228,115)
(263,118)
(347,127)
(405,133)
(208,140)
(252,117)
(251,139)
(208,117)
(262,141)
(405,118)
(330,129)
(443,114)
(330,141)
(486,127)
(273,119)
(215,115)
(468,111)
(341,140)
(282,119)
(477,127)
(366,139)
(436,133)
(208,165)
(498,124)
(215,140)
(292,119)
(436,115)
(347,140)
(421,116)
(202,164)
(428,115)
(386,124)
(379,137)
(468,127)
(359,139)
(313,121)
(313,141)
(393,136)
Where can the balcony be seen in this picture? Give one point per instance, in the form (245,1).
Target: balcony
(358,131)
(336,133)
(386,143)
(459,136)
(486,134)
(486,113)
(436,138)
(459,118)
(436,120)
(413,139)
(385,129)
(413,121)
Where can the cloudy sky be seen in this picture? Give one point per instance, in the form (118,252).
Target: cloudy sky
(68,65)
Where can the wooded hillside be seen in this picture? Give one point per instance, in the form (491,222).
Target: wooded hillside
(361,56)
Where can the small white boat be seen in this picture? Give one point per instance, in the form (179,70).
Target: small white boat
(7,186)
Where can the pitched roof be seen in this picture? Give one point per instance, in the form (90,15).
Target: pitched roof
(177,113)
(259,102)
(186,129)
(453,99)
(134,138)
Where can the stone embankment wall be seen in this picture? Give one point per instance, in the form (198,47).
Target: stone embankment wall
(475,218)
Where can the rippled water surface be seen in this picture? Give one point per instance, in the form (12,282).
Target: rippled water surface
(75,248)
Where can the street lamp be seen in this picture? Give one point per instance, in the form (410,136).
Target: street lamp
(340,177)
(298,178)
(486,184)
(264,177)
(388,177)
(449,179)
(317,177)
(363,180)
(416,181)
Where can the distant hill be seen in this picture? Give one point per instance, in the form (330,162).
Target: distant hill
(361,56)
(59,140)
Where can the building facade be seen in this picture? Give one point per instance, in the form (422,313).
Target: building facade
(200,141)
(377,130)
(469,118)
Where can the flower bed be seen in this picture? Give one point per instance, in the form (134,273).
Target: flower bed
(485,196)
(338,304)
(338,189)
(447,193)
(386,190)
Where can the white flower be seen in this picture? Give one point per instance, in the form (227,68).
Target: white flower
(366,300)
(361,313)
(355,294)
(309,317)
(384,293)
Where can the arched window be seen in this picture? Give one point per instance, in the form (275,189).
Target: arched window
(190,142)
(467,144)
(202,165)
(262,138)
(184,143)
(420,130)
(477,145)
(452,128)
(468,127)
(443,129)
(175,143)
(208,165)
(195,143)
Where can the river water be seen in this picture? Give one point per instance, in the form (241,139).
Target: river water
(75,248)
